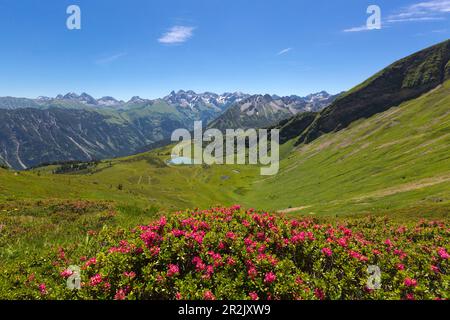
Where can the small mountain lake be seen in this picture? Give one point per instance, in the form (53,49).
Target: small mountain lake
(180,161)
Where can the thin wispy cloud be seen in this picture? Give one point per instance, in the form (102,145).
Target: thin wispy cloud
(416,19)
(110,59)
(284,51)
(432,10)
(433,6)
(177,35)
(357,29)
(420,34)
(423,11)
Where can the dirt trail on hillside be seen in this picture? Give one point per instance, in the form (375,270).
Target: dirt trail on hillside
(424,183)
(290,210)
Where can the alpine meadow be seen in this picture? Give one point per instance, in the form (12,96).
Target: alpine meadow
(94,205)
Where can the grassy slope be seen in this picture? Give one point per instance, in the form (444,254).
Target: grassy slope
(404,80)
(145,181)
(396,159)
(396,162)
(40,210)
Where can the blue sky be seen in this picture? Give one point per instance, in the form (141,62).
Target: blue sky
(150,47)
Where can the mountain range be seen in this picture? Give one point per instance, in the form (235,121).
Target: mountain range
(366,178)
(370,151)
(183,99)
(264,110)
(79,127)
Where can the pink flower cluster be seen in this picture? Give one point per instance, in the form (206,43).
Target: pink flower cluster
(410,282)
(173,270)
(96,280)
(443,253)
(223,253)
(327,252)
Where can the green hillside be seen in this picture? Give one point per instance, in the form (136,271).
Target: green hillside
(396,159)
(393,160)
(143,180)
(402,81)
